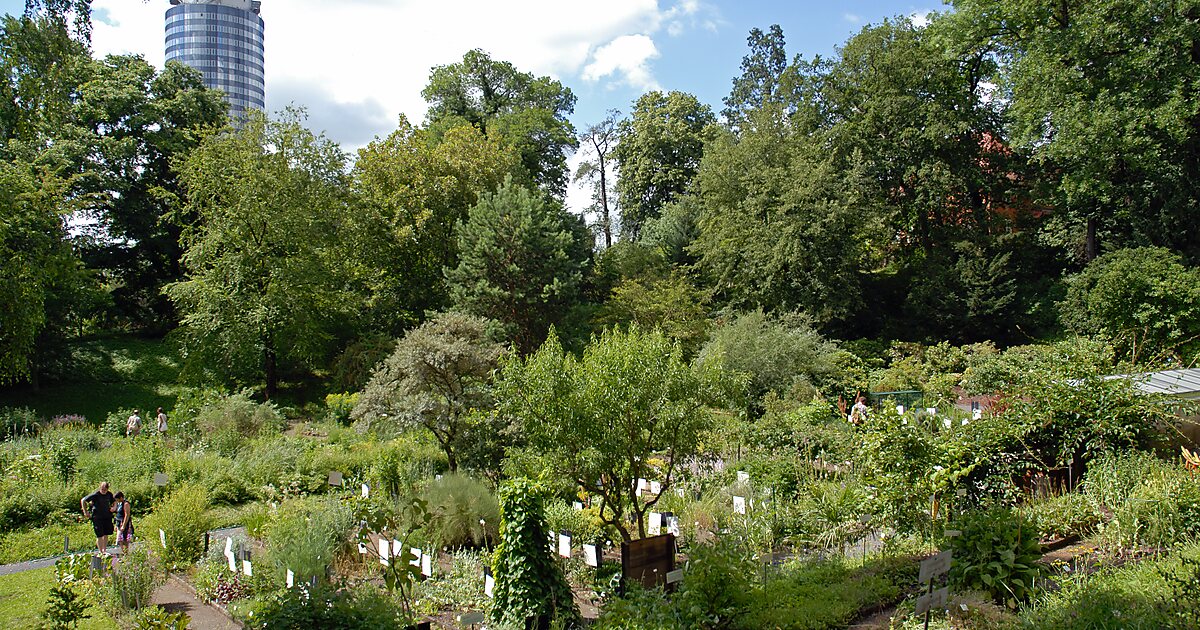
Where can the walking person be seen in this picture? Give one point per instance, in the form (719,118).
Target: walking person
(124,516)
(100,514)
(133,426)
(162,422)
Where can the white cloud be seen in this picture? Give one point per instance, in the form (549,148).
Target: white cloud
(852,18)
(920,19)
(358,53)
(627,56)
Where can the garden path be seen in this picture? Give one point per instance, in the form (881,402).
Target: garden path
(41,563)
(174,596)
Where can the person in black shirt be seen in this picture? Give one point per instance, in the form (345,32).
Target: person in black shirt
(124,522)
(101,514)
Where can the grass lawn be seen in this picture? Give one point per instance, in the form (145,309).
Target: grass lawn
(23,596)
(104,375)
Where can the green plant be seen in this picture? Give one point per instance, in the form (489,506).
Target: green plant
(1182,597)
(63,458)
(997,553)
(155,618)
(366,607)
(530,587)
(641,609)
(131,584)
(1071,514)
(306,535)
(464,513)
(718,581)
(17,422)
(339,406)
(238,413)
(183,518)
(65,608)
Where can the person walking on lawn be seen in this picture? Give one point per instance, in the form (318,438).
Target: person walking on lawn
(101,515)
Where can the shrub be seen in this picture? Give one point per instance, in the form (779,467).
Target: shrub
(718,583)
(228,489)
(458,589)
(131,584)
(115,423)
(305,536)
(1071,514)
(585,525)
(65,607)
(184,520)
(366,607)
(997,553)
(339,406)
(215,582)
(457,503)
(813,595)
(1162,511)
(238,413)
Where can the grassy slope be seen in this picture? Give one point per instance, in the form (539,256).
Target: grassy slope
(106,375)
(23,596)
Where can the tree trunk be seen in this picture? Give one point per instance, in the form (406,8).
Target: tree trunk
(1091,246)
(604,203)
(270,371)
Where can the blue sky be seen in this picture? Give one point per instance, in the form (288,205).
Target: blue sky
(356,65)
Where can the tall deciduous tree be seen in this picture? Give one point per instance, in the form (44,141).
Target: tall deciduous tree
(409,193)
(438,378)
(260,295)
(658,154)
(521,262)
(602,417)
(1104,95)
(529,113)
(39,273)
(598,141)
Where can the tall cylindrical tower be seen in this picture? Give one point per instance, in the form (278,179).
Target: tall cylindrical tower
(223,39)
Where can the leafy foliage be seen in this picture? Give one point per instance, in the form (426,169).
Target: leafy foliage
(602,417)
(437,376)
(530,590)
(998,553)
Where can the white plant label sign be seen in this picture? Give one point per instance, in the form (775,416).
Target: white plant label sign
(291,578)
(564,545)
(739,505)
(591,555)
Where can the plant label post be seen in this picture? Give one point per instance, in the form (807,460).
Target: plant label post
(564,544)
(291,578)
(591,555)
(551,540)
(743,476)
(739,505)
(671,522)
(160,479)
(229,554)
(427,565)
(656,488)
(578,505)
(489,582)
(247,568)
(366,491)
(66,545)
(335,478)
(654,527)
(384,548)
(162,537)
(930,569)
(416,554)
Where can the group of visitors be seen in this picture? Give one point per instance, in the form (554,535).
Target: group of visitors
(103,508)
(133,426)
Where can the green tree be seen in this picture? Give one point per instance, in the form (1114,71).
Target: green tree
(658,154)
(762,74)
(438,377)
(521,261)
(526,112)
(1102,94)
(1144,300)
(531,592)
(602,417)
(127,113)
(779,354)
(409,193)
(39,273)
(261,293)
(669,302)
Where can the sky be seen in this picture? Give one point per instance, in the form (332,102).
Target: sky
(357,65)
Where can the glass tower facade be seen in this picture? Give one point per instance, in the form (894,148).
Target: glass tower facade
(223,39)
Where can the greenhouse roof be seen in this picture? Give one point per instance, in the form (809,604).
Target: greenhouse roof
(1185,383)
